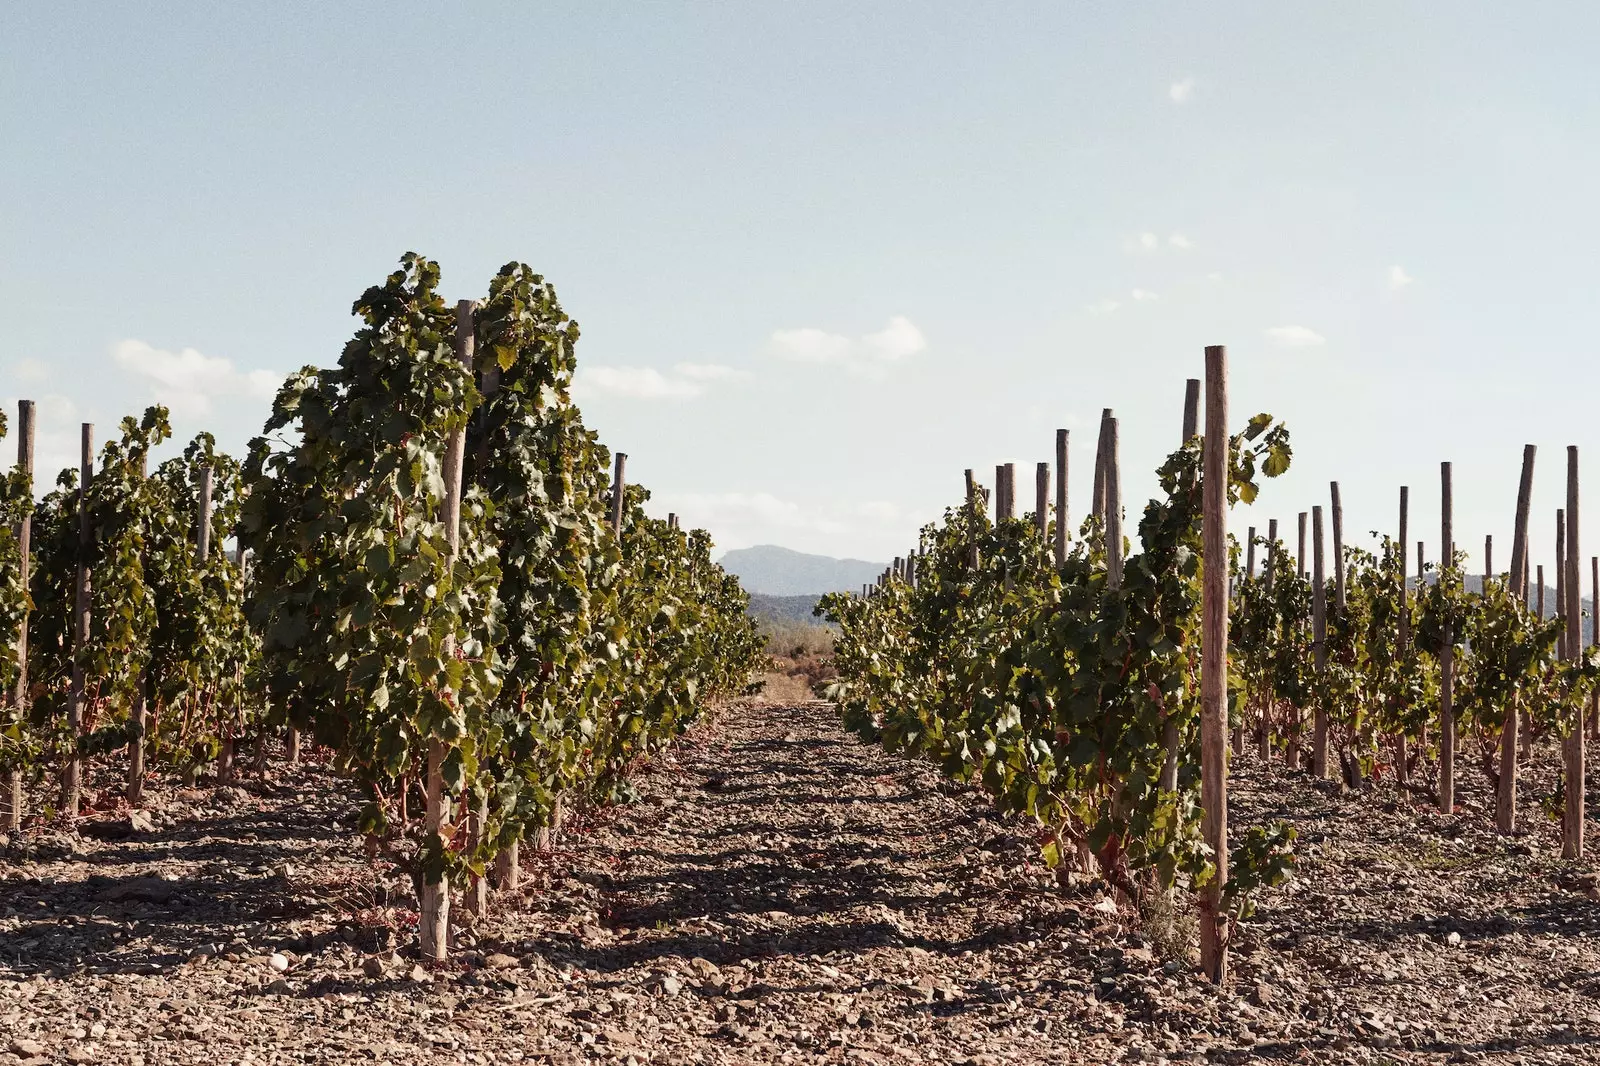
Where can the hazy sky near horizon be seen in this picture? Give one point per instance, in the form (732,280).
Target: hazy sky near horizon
(825,256)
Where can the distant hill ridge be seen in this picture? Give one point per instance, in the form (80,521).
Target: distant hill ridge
(769,570)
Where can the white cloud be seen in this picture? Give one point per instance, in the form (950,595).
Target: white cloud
(1143,294)
(1148,240)
(1178,240)
(1103,307)
(29,371)
(708,372)
(1295,336)
(1181,91)
(867,354)
(1398,278)
(635,382)
(187,381)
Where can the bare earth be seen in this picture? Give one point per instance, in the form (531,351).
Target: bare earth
(786,894)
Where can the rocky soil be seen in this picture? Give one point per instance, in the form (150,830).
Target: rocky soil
(785,894)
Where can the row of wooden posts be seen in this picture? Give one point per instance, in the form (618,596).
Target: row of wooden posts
(1107,504)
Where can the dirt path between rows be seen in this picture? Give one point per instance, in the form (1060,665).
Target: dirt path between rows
(783,893)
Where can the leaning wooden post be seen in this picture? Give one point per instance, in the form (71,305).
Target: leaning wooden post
(1099,503)
(1062,439)
(1041,499)
(1517,576)
(1488,561)
(1447,665)
(1561,578)
(1572,783)
(1113,507)
(1337,514)
(1214,663)
(1402,760)
(72,774)
(1594,641)
(1319,648)
(11,797)
(433,924)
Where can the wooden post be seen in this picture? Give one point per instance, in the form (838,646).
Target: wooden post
(11,798)
(672,520)
(1191,410)
(619,495)
(1113,507)
(1319,648)
(1214,663)
(1561,578)
(1447,666)
(1062,440)
(1573,783)
(72,774)
(1517,576)
(1301,556)
(1539,610)
(433,923)
(1337,515)
(1169,728)
(1488,561)
(1594,641)
(1099,503)
(1250,554)
(1402,758)
(1271,564)
(1041,497)
(976,510)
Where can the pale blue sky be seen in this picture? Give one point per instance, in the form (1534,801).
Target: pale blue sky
(827,255)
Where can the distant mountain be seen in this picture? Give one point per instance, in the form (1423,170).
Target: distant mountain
(785,609)
(773,571)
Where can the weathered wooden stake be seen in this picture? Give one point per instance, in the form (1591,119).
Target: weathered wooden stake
(1337,514)
(1402,759)
(1447,713)
(1573,783)
(1561,578)
(1062,440)
(1319,647)
(1518,574)
(1214,663)
(1113,507)
(433,923)
(1250,554)
(1041,498)
(619,495)
(72,774)
(1301,557)
(1269,566)
(11,797)
(1100,465)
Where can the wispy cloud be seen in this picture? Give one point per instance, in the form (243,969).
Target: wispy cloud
(28,371)
(1150,241)
(1103,307)
(1143,294)
(1178,240)
(869,354)
(189,381)
(1398,278)
(633,382)
(1181,91)
(1295,336)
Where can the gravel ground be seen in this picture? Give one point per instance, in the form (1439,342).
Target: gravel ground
(785,894)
